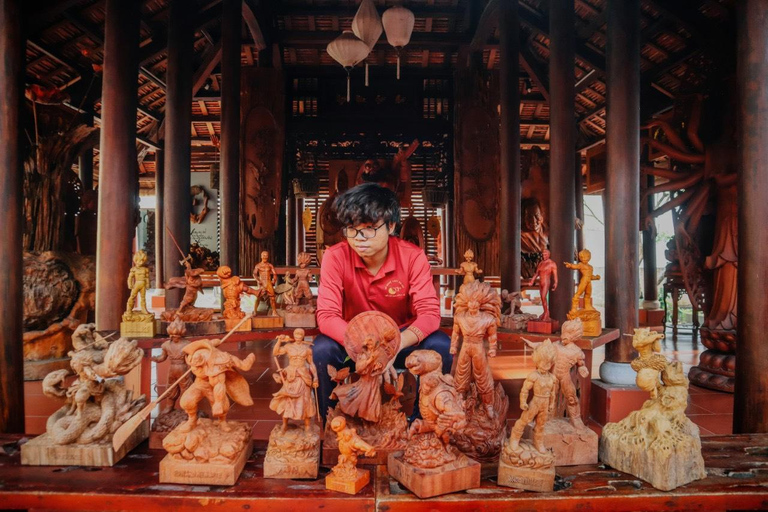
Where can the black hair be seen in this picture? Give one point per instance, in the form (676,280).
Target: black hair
(367,203)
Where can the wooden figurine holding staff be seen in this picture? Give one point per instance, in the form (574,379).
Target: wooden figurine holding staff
(294,452)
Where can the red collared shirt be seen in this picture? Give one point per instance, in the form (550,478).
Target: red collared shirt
(402,289)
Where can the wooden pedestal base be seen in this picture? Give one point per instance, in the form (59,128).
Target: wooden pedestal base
(231,323)
(41,451)
(572,447)
(138,329)
(266,322)
(294,453)
(459,475)
(528,479)
(174,471)
(300,320)
(590,318)
(334,483)
(331,457)
(542,326)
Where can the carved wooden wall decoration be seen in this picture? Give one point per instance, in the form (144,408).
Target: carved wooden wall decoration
(261,165)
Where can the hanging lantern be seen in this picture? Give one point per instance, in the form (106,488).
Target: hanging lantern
(367,26)
(398,24)
(348,50)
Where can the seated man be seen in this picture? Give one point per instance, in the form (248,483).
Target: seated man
(374,271)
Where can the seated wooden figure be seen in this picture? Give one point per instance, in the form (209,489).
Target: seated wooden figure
(294,450)
(588,314)
(430,466)
(372,339)
(300,304)
(345,476)
(96,405)
(571,440)
(266,279)
(546,271)
(138,324)
(477,309)
(524,464)
(232,288)
(202,450)
(658,443)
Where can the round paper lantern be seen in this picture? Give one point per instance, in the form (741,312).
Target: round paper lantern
(348,50)
(398,25)
(367,26)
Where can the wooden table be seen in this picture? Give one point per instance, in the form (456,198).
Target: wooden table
(737,468)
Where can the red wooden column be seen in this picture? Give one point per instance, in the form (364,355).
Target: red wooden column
(85,165)
(118,176)
(159,224)
(178,119)
(622,190)
(562,160)
(231,22)
(12,197)
(750,411)
(509,68)
(650,288)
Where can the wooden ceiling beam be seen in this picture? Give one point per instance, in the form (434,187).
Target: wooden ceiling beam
(320,39)
(419,11)
(249,16)
(536,71)
(485,26)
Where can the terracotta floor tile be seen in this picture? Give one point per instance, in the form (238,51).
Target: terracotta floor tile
(696,409)
(718,403)
(718,424)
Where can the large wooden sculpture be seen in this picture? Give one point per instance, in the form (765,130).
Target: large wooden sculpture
(571,440)
(546,271)
(476,317)
(301,311)
(266,279)
(294,450)
(371,340)
(658,443)
(171,415)
(587,313)
(430,466)
(138,324)
(702,180)
(524,464)
(345,476)
(202,450)
(534,238)
(96,405)
(232,287)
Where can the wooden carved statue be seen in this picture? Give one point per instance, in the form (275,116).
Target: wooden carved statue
(430,466)
(394,175)
(266,279)
(299,302)
(658,443)
(524,464)
(372,340)
(512,316)
(173,350)
(546,271)
(232,288)
(477,313)
(468,268)
(138,323)
(301,290)
(294,452)
(534,238)
(588,314)
(345,476)
(192,284)
(96,403)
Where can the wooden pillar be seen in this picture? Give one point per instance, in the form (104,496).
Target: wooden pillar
(579,202)
(562,159)
(650,289)
(291,232)
(750,412)
(85,165)
(159,224)
(509,68)
(623,176)
(12,197)
(178,119)
(230,133)
(119,176)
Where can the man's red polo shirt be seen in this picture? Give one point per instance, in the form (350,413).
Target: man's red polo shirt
(402,289)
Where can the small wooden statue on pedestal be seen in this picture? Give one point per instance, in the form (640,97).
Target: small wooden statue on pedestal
(345,476)
(96,405)
(526,465)
(589,316)
(198,321)
(171,416)
(658,443)
(476,316)
(138,324)
(266,279)
(372,340)
(201,451)
(301,312)
(468,268)
(546,271)
(231,290)
(293,450)
(572,441)
(430,466)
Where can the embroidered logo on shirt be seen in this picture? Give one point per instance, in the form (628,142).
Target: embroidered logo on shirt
(395,288)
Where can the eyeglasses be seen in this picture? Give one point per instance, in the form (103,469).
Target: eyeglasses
(368,232)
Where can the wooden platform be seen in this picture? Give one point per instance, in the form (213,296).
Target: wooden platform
(737,468)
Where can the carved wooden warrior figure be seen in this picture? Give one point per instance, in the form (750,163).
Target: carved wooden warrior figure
(138,283)
(294,401)
(350,446)
(468,268)
(173,349)
(266,278)
(232,288)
